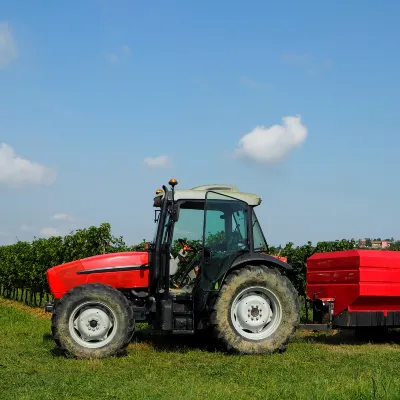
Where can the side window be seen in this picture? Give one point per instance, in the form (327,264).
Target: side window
(215,228)
(226,224)
(239,239)
(258,237)
(239,224)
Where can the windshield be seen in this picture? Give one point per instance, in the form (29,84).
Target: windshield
(260,244)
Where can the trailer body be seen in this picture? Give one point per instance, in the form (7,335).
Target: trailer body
(355,288)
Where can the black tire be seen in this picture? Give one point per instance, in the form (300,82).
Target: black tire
(272,282)
(102,298)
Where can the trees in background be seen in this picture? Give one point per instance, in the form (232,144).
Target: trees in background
(23,265)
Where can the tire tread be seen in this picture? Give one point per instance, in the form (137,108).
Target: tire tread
(252,270)
(78,291)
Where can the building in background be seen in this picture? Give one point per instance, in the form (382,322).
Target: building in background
(375,243)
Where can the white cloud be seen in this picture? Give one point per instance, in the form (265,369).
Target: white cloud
(49,231)
(8,45)
(3,233)
(62,217)
(25,228)
(17,170)
(157,162)
(269,145)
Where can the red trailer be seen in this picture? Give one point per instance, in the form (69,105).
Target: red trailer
(354,289)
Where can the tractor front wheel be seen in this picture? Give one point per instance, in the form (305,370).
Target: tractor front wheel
(256,312)
(93,321)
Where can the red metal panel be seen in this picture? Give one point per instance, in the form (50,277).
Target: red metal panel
(116,260)
(64,277)
(359,280)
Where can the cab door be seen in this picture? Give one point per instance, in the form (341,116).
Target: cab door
(225,236)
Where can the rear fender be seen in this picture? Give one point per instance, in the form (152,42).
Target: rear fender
(257,259)
(260,259)
(206,298)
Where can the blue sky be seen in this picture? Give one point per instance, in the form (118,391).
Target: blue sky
(89,89)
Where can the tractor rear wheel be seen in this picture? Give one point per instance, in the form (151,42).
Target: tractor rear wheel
(93,321)
(256,312)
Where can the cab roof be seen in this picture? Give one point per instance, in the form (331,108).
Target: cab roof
(199,193)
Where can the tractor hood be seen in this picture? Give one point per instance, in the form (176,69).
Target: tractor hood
(126,270)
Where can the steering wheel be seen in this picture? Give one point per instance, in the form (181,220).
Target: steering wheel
(186,247)
(193,261)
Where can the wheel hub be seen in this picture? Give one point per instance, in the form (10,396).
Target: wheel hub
(256,313)
(92,324)
(253,312)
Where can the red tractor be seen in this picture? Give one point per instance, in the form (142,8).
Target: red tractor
(234,288)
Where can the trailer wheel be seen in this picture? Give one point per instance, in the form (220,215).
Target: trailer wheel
(93,321)
(256,312)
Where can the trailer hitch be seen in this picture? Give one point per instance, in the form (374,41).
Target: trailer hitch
(315,327)
(49,306)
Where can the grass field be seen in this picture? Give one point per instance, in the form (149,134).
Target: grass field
(314,367)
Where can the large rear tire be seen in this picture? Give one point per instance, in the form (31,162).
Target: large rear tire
(256,312)
(93,321)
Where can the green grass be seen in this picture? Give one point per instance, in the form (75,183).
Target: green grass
(314,367)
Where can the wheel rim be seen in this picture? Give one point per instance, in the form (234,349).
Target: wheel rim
(93,324)
(256,313)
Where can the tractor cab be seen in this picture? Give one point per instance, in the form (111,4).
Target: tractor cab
(211,223)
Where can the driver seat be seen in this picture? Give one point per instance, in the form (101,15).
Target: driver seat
(173,265)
